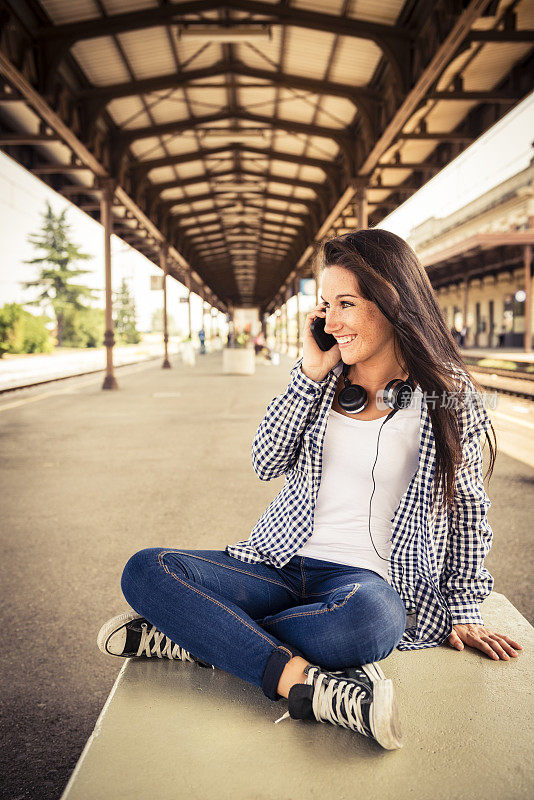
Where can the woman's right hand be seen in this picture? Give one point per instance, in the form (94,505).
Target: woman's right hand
(317,363)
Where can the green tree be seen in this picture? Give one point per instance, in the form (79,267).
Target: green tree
(11,328)
(59,254)
(125,316)
(22,332)
(84,327)
(37,337)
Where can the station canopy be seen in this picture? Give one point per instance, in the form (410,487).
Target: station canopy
(240,135)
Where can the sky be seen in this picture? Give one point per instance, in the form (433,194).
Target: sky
(502,151)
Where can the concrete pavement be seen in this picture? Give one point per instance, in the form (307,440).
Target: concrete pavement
(88,478)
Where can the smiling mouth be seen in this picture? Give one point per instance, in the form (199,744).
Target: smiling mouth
(345,340)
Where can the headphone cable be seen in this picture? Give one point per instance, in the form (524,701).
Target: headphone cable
(374,487)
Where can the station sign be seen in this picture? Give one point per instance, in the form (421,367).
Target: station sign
(307,286)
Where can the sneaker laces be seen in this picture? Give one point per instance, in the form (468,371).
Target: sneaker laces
(336,700)
(153,640)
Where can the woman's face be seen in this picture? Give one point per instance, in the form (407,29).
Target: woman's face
(353,319)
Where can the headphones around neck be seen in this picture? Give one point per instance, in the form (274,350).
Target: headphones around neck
(353,399)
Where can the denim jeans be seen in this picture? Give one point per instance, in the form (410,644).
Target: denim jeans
(250,619)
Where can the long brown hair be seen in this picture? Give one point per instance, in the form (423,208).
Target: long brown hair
(390,275)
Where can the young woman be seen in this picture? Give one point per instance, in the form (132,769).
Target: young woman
(383,513)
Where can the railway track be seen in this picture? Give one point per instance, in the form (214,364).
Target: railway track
(505,381)
(515,383)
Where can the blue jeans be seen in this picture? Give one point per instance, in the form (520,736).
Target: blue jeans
(250,619)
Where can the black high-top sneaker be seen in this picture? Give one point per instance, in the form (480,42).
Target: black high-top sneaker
(129,635)
(359,698)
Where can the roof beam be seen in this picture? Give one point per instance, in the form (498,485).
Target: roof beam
(251,235)
(201,214)
(289,229)
(423,166)
(231,173)
(394,41)
(292,218)
(238,238)
(179,126)
(10,139)
(394,187)
(243,149)
(214,196)
(442,136)
(104,94)
(305,161)
(287,216)
(198,240)
(173,13)
(503,36)
(184,158)
(58,169)
(478,96)
(425,82)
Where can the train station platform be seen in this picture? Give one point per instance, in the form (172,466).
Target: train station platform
(28,369)
(90,477)
(510,371)
(466,727)
(511,356)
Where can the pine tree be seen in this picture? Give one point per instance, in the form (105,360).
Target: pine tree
(125,315)
(56,272)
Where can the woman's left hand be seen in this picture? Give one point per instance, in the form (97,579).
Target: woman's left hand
(495,645)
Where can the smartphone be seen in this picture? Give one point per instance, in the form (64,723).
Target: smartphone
(324,340)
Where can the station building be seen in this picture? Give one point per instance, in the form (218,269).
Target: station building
(479,260)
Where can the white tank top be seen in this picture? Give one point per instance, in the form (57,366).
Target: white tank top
(341,519)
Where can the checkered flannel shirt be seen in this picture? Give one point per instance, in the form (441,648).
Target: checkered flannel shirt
(436,562)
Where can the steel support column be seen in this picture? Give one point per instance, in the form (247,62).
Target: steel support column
(163,264)
(278,330)
(106,200)
(466,301)
(527,260)
(188,285)
(204,324)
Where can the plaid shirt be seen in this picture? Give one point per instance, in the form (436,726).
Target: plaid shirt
(436,562)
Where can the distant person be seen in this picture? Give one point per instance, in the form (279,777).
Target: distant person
(259,343)
(501,336)
(319,593)
(261,346)
(202,339)
(463,334)
(231,341)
